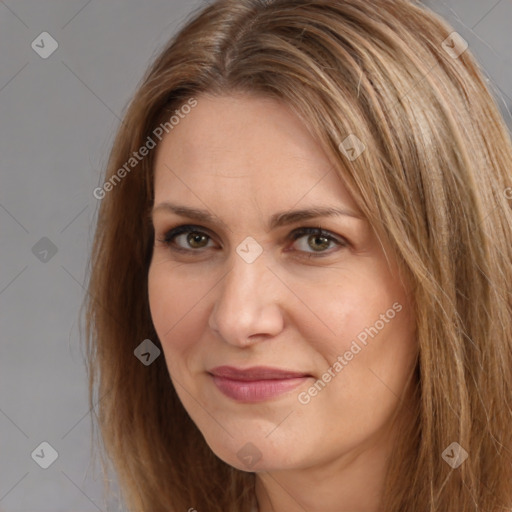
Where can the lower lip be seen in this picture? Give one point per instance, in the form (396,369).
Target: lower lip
(256,390)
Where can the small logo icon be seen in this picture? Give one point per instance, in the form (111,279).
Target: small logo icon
(352,147)
(44,45)
(249,250)
(45,455)
(147,352)
(454,45)
(249,455)
(44,250)
(455,455)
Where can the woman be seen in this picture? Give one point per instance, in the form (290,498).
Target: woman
(300,282)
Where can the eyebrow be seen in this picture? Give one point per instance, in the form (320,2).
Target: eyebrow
(277,220)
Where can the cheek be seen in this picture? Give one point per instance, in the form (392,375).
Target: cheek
(175,305)
(339,314)
(375,350)
(367,322)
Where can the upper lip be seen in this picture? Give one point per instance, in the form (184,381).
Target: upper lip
(255,373)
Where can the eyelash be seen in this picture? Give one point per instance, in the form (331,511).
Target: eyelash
(296,234)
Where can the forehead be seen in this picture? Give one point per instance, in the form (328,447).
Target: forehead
(248,148)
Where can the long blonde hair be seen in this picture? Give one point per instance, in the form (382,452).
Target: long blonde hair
(434,180)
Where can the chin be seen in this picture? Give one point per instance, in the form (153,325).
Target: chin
(254,456)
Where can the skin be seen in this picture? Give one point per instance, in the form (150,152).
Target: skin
(244,158)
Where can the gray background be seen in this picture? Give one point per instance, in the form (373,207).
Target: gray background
(58,117)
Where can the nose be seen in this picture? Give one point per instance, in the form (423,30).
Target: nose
(248,303)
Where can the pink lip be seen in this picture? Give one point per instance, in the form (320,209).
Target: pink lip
(255,384)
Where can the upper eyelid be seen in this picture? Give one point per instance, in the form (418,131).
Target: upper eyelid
(281,219)
(189,228)
(208,231)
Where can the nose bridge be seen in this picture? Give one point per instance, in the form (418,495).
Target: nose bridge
(247,303)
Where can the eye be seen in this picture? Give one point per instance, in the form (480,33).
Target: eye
(188,239)
(317,239)
(192,237)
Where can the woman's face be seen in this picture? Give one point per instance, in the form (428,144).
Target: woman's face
(245,285)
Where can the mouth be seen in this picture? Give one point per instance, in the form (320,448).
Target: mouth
(256,384)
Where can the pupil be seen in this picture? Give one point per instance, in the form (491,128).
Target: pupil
(195,238)
(316,238)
